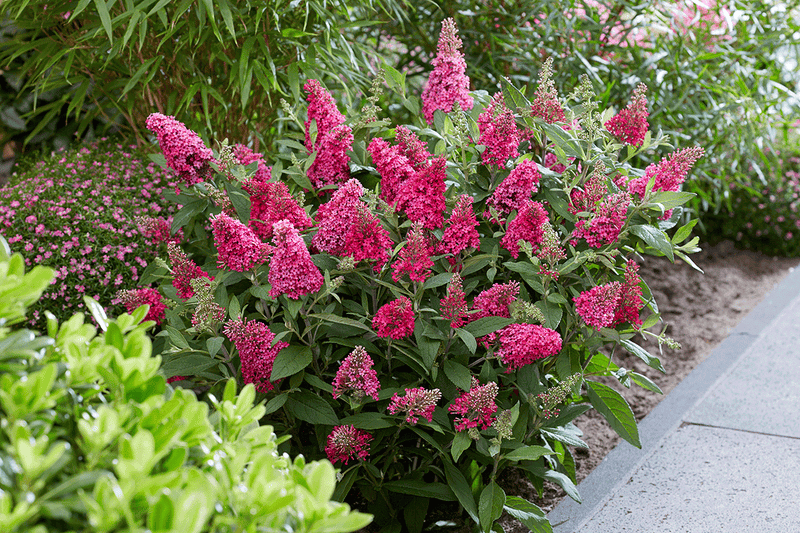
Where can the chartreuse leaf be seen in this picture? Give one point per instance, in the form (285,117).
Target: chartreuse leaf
(490,505)
(615,410)
(97,312)
(529,514)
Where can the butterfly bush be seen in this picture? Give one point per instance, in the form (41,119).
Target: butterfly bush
(96,214)
(427,316)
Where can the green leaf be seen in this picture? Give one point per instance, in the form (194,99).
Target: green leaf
(177,338)
(458,374)
(671,199)
(369,421)
(645,382)
(489,324)
(186,364)
(552,313)
(415,487)
(438,280)
(290,361)
(460,487)
(654,238)
(461,443)
(563,481)
(276,403)
(311,408)
(490,505)
(240,201)
(615,410)
(527,453)
(684,231)
(97,312)
(214,344)
(105,18)
(341,320)
(468,338)
(562,435)
(651,360)
(529,514)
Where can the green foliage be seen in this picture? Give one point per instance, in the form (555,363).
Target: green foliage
(221,67)
(408,464)
(76,211)
(92,439)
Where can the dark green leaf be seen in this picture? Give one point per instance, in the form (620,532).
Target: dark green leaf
(458,374)
(439,491)
(615,410)
(290,361)
(651,360)
(529,514)
(490,505)
(461,489)
(654,238)
(527,453)
(369,421)
(489,324)
(311,408)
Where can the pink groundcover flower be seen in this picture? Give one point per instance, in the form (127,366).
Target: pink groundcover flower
(476,406)
(416,402)
(395,319)
(347,442)
(356,377)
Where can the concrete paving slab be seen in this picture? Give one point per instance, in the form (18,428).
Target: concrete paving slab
(709,479)
(762,391)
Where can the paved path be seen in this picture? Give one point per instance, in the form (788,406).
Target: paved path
(721,453)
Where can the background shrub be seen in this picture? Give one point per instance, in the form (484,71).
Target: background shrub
(76,212)
(93,441)
(220,67)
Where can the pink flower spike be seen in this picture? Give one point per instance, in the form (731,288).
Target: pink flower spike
(238,248)
(597,305)
(630,124)
(630,297)
(460,232)
(356,377)
(422,196)
(415,257)
(545,103)
(133,299)
(347,442)
(448,82)
(291,271)
(527,226)
(476,407)
(516,188)
(184,270)
(499,133)
(333,138)
(522,344)
(270,201)
(454,307)
(495,300)
(393,167)
(416,402)
(183,149)
(253,341)
(669,173)
(395,319)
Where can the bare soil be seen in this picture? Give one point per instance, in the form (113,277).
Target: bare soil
(699,310)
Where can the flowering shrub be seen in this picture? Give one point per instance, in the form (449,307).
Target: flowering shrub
(446,315)
(98,442)
(96,215)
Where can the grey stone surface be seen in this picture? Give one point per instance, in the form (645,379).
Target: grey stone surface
(739,476)
(762,391)
(709,480)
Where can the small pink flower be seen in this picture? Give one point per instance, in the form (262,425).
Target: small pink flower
(347,442)
(416,402)
(476,407)
(333,138)
(545,103)
(395,319)
(495,300)
(393,167)
(356,377)
(422,196)
(448,82)
(669,173)
(270,202)
(630,297)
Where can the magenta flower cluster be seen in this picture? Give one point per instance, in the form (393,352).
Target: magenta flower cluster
(183,149)
(356,377)
(346,442)
(448,83)
(257,353)
(395,319)
(476,407)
